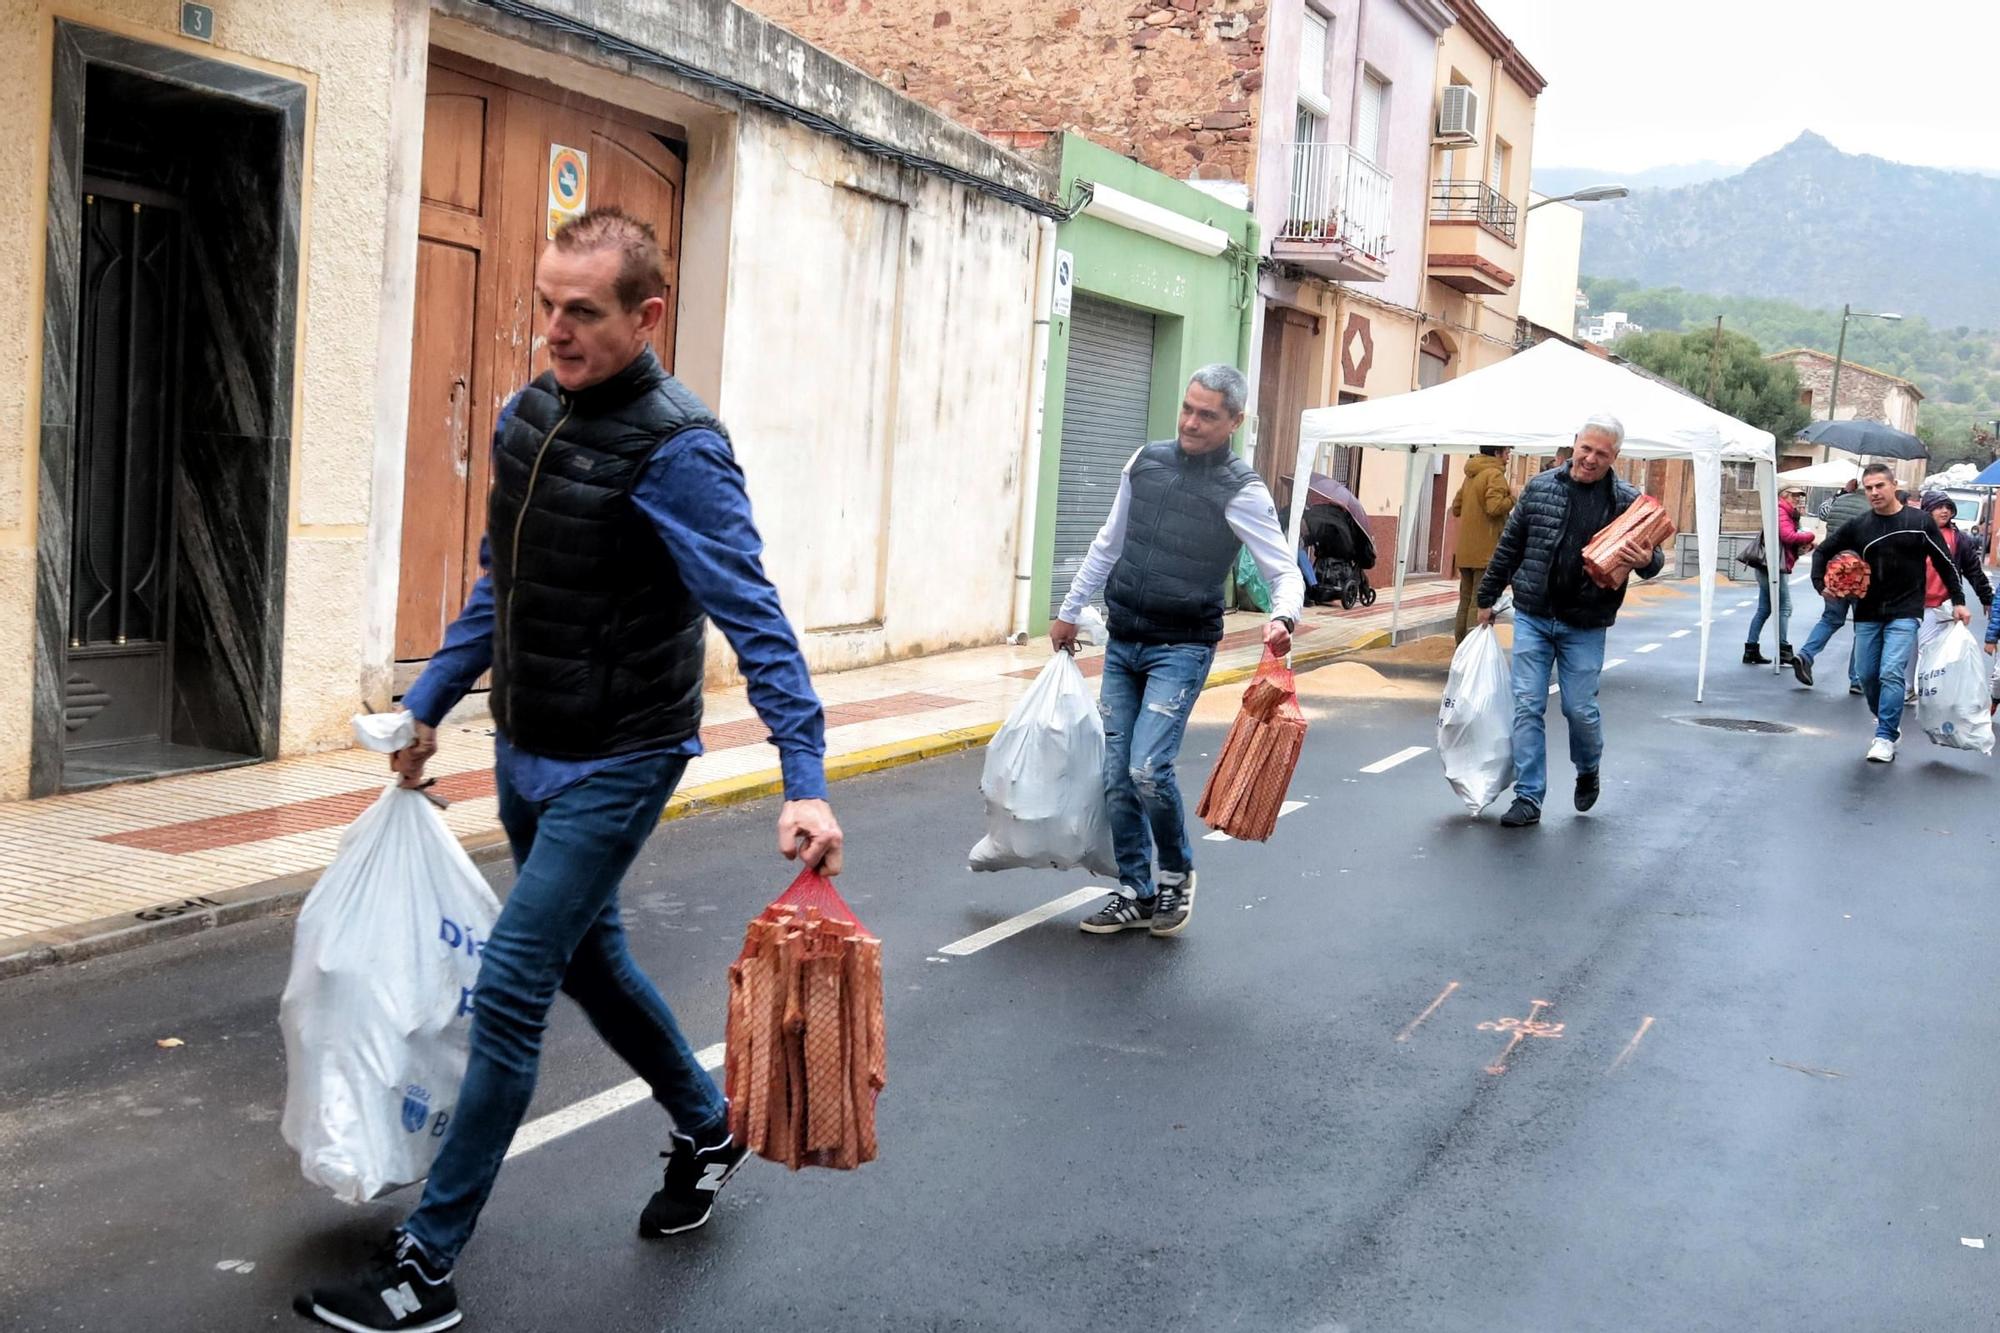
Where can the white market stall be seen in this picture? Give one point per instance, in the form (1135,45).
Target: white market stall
(1835,472)
(1533,403)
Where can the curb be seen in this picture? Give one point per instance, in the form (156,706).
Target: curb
(105,936)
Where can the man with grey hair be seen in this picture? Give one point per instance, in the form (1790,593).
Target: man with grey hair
(1560,613)
(1183,508)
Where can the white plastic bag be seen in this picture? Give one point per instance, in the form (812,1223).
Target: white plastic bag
(377,1010)
(1044,781)
(1952,699)
(1476,720)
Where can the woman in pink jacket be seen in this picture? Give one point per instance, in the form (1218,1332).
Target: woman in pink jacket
(1795,542)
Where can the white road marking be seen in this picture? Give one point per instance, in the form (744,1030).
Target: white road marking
(1553,689)
(1647,647)
(1616,661)
(1400,757)
(1680,634)
(1726,611)
(1014,925)
(1748,601)
(1283,810)
(544,1129)
(1976,1242)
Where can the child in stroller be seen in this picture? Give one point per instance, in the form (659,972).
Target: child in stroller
(1341,554)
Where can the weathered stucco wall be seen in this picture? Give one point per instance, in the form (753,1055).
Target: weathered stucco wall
(1173,83)
(343,54)
(876,361)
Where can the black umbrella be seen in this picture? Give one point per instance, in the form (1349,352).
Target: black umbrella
(1865,437)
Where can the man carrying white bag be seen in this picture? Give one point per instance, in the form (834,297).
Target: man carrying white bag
(378,1008)
(1476,720)
(1044,777)
(1952,704)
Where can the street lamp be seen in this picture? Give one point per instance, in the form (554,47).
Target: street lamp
(1588,195)
(1846,313)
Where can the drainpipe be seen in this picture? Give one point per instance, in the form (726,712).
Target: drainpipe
(1031,442)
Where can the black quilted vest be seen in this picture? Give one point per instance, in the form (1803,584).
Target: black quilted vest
(597,644)
(1167,584)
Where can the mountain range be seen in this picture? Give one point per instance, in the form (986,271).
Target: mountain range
(1814,225)
(1552,181)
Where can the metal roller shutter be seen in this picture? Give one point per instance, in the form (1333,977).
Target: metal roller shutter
(1110,379)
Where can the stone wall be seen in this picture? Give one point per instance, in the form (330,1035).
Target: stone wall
(1865,395)
(1171,83)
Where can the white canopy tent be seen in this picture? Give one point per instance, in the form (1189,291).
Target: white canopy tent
(1833,472)
(1533,403)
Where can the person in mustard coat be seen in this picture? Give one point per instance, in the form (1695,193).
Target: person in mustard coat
(1481,506)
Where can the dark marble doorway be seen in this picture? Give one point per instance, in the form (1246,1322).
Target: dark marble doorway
(175,446)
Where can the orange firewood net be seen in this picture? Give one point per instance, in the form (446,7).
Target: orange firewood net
(804,1057)
(1247,787)
(1645,521)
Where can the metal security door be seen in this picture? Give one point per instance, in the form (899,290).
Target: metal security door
(117,667)
(1109,382)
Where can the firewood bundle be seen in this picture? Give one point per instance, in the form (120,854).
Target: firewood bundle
(1847,575)
(1644,522)
(804,1058)
(1247,787)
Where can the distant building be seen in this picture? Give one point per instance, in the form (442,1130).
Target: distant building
(1866,394)
(1607,327)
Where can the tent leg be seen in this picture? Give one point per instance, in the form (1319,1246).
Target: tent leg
(1405,542)
(1774,558)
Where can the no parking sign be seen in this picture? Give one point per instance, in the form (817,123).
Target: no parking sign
(569,185)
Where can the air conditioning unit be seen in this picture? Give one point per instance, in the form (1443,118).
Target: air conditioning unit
(1458,114)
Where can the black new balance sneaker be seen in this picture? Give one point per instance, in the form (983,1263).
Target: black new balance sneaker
(1174,906)
(1587,789)
(399,1290)
(694,1177)
(1521,814)
(1120,913)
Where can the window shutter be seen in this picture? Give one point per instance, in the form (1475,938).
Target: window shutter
(1368,126)
(1312,58)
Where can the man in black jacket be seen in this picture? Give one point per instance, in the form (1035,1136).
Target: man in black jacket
(1560,614)
(617,527)
(1897,542)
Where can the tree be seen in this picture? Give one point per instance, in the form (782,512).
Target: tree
(1747,387)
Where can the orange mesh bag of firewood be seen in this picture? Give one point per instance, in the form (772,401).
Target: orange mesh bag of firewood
(804,1059)
(1247,787)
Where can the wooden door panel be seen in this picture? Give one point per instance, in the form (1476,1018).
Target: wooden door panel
(454,120)
(438,452)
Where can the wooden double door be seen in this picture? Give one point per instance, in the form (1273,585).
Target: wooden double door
(489,144)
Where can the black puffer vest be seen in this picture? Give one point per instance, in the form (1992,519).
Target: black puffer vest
(597,644)
(1167,584)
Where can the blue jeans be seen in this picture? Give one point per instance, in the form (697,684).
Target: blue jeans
(1764,612)
(1147,693)
(1882,652)
(1831,619)
(1577,655)
(560,929)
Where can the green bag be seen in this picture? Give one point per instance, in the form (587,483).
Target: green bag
(1250,585)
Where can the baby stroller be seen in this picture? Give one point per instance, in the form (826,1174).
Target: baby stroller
(1342,553)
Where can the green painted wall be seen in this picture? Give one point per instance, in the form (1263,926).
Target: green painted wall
(1202,307)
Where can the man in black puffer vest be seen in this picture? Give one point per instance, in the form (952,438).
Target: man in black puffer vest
(1560,615)
(617,526)
(1184,507)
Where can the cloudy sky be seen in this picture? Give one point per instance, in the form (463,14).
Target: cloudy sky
(1637,83)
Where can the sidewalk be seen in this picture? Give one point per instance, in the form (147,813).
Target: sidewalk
(97,871)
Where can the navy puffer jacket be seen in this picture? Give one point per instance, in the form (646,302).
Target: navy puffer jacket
(1528,546)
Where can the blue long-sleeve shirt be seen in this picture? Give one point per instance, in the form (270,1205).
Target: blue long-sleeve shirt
(693,495)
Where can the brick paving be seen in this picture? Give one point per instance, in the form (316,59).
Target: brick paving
(100,858)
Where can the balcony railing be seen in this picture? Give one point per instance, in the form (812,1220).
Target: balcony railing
(1338,196)
(1474,201)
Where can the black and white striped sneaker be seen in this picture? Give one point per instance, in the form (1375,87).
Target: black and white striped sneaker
(1120,913)
(1174,907)
(400,1292)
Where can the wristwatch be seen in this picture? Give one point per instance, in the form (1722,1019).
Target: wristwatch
(1291,625)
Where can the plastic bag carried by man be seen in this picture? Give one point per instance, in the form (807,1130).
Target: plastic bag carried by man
(1476,720)
(1044,777)
(1952,703)
(378,1008)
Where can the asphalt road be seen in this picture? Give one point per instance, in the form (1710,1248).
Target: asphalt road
(1770,1102)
